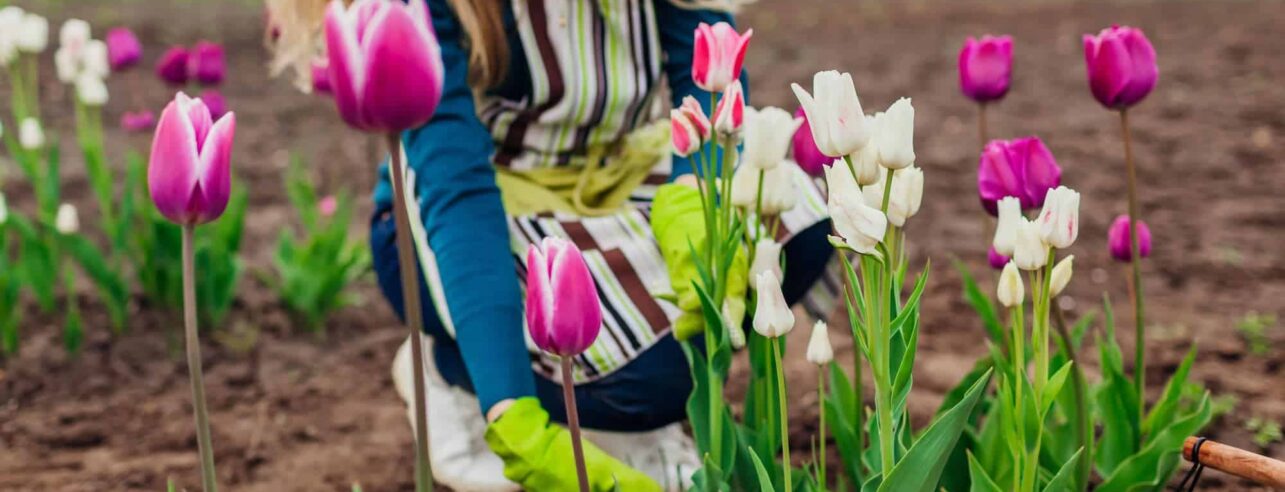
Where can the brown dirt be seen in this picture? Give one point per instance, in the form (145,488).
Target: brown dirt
(298,413)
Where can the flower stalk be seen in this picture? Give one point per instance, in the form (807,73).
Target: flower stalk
(573,424)
(1135,265)
(193,341)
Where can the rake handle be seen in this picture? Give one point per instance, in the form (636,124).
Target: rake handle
(1261,469)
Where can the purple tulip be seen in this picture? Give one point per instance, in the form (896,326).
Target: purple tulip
(123,49)
(996,260)
(1022,167)
(1121,65)
(137,121)
(215,101)
(206,63)
(189,174)
(805,150)
(563,315)
(986,67)
(1118,239)
(385,64)
(172,67)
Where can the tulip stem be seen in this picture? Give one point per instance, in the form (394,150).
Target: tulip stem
(203,444)
(573,423)
(1135,263)
(785,413)
(821,418)
(412,310)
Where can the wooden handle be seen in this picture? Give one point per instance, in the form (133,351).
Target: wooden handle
(1236,461)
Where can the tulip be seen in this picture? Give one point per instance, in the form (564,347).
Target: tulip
(172,66)
(804,149)
(30,135)
(385,64)
(563,314)
(1010,292)
(683,136)
(986,67)
(996,259)
(861,227)
(865,163)
(1060,219)
(839,126)
(695,114)
(896,135)
(327,206)
(729,115)
(4,210)
(1121,64)
(90,90)
(819,350)
(123,48)
(718,55)
(1030,252)
(735,334)
(767,258)
(206,64)
(1060,276)
(1010,216)
(321,77)
(66,220)
(137,121)
(779,193)
(905,198)
(768,133)
(88,58)
(215,102)
(1118,239)
(32,35)
(1023,168)
(189,174)
(74,34)
(772,316)
(10,23)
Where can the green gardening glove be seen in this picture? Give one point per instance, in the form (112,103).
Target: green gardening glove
(678,222)
(538,454)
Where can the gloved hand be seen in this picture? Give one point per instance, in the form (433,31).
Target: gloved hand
(538,455)
(679,225)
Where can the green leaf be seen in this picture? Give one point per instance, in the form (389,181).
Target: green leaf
(1053,388)
(1166,408)
(982,304)
(922,465)
(1116,400)
(1151,467)
(981,481)
(111,285)
(1064,479)
(765,482)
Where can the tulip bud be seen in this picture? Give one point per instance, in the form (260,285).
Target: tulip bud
(1030,252)
(1060,219)
(682,135)
(206,63)
(986,67)
(1118,239)
(772,316)
(563,313)
(1010,216)
(729,115)
(839,126)
(189,173)
(172,66)
(66,221)
(695,113)
(32,35)
(30,135)
(214,100)
(90,90)
(865,163)
(123,48)
(321,77)
(1010,292)
(804,149)
(733,314)
(905,197)
(896,136)
(861,227)
(767,258)
(819,350)
(1060,276)
(996,259)
(327,206)
(10,22)
(94,61)
(718,55)
(137,121)
(768,133)
(1121,66)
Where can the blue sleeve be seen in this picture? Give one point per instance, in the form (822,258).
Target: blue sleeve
(677,27)
(465,224)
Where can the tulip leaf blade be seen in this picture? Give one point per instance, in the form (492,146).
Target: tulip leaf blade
(981,482)
(922,465)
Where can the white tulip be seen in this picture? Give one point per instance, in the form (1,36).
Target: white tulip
(67,65)
(95,59)
(819,350)
(91,90)
(33,34)
(865,163)
(30,135)
(779,193)
(1061,276)
(1030,252)
(839,126)
(772,316)
(1060,219)
(1010,292)
(896,137)
(10,23)
(67,221)
(1010,215)
(768,135)
(73,35)
(4,209)
(905,198)
(861,227)
(767,258)
(731,316)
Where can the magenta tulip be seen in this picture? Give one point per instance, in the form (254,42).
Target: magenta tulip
(1118,239)
(172,67)
(206,63)
(385,64)
(189,174)
(321,77)
(215,101)
(123,48)
(719,53)
(986,67)
(137,121)
(996,259)
(1022,168)
(1122,66)
(563,314)
(805,151)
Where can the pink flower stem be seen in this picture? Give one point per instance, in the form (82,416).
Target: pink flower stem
(573,423)
(1135,263)
(414,315)
(203,444)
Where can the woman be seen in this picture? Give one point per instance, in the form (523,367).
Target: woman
(547,127)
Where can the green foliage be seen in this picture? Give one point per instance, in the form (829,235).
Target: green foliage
(1266,431)
(1254,329)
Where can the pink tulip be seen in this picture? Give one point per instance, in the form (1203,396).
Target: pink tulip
(683,136)
(1022,168)
(563,314)
(327,206)
(215,101)
(729,115)
(996,259)
(123,48)
(172,67)
(206,63)
(1118,239)
(385,63)
(986,67)
(137,121)
(718,56)
(1121,65)
(189,174)
(321,77)
(805,151)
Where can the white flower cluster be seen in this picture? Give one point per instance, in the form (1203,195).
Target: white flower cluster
(21,32)
(1031,242)
(82,62)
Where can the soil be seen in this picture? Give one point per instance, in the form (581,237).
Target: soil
(294,411)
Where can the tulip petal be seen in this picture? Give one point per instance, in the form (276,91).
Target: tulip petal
(346,75)
(215,175)
(199,116)
(539,295)
(742,46)
(172,169)
(1144,72)
(404,72)
(578,313)
(701,55)
(1110,71)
